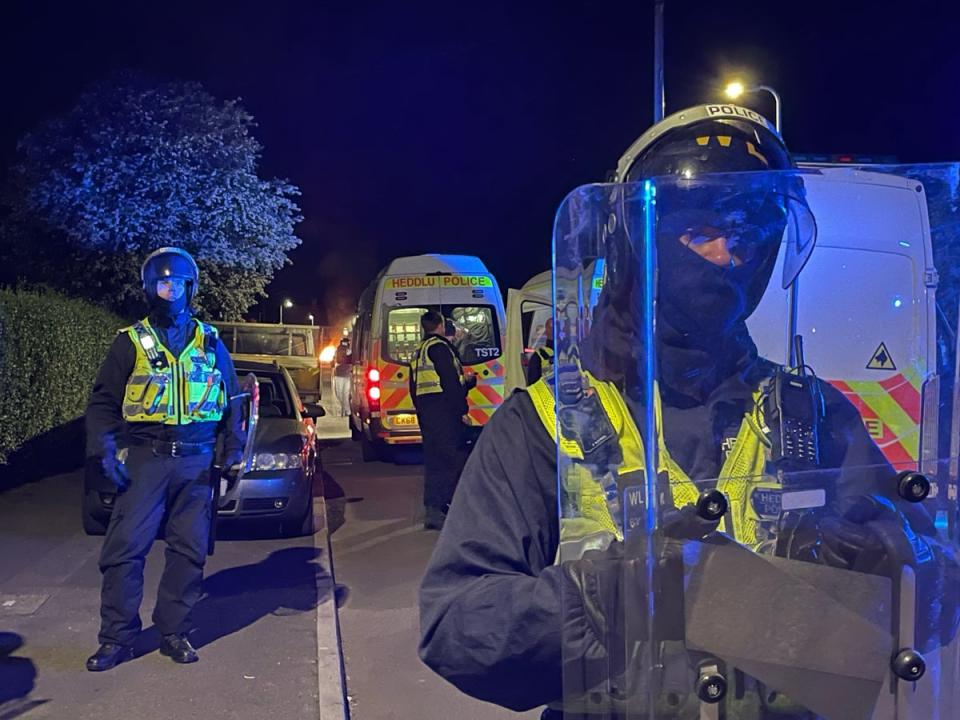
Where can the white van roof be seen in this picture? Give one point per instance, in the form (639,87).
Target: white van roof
(422,264)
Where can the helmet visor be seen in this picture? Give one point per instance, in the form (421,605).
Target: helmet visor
(742,223)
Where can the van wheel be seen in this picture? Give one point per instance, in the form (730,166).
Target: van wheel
(355,434)
(369,450)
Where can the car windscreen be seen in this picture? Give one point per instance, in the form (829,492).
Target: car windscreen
(475,333)
(271,341)
(275,399)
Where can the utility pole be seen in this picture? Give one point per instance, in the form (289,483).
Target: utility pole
(659,97)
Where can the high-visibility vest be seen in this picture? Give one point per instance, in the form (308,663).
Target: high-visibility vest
(426,379)
(174,390)
(595,525)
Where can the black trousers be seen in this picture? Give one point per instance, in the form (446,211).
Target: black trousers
(444,453)
(173,488)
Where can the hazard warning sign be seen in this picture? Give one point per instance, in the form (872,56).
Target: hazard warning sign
(881,359)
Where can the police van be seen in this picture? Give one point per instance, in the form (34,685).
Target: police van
(387,332)
(865,306)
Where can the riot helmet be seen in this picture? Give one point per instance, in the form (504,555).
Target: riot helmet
(726,199)
(170,263)
(689,155)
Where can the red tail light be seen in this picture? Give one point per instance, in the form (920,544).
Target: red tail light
(373,389)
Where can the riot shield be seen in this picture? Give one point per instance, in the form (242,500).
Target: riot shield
(250,388)
(742,538)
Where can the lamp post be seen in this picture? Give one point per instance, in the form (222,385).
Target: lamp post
(287,303)
(736,89)
(310,318)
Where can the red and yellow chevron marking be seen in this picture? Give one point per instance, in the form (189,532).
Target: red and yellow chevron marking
(483,400)
(891,412)
(395,387)
(487,396)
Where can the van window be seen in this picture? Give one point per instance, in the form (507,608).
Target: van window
(476,335)
(272,341)
(403,333)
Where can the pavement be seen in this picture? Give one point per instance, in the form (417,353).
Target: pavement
(380,553)
(266,624)
(317,627)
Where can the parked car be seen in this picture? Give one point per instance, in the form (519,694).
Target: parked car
(278,488)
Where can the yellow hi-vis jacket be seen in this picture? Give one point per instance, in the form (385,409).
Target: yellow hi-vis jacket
(596,527)
(742,472)
(173,390)
(426,379)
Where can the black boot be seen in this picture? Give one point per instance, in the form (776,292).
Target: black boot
(178,649)
(109,655)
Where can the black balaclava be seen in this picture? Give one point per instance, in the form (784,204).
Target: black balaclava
(170,311)
(702,308)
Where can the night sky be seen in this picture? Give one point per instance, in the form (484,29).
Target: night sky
(459,127)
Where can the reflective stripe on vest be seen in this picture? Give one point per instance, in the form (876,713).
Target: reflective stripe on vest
(426,379)
(741,473)
(169,390)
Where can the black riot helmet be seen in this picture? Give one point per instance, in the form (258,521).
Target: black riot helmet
(692,156)
(169,262)
(718,177)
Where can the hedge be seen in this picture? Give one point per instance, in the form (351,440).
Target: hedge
(51,348)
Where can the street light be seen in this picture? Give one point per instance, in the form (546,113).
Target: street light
(736,89)
(287,303)
(310,318)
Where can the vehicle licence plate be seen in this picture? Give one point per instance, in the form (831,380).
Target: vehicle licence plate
(405,420)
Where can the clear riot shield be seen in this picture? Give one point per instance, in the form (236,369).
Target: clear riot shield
(250,388)
(739,539)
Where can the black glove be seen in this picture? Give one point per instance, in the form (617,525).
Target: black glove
(115,471)
(612,580)
(867,533)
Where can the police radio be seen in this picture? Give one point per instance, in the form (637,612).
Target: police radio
(793,411)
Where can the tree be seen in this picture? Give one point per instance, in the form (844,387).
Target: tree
(135,166)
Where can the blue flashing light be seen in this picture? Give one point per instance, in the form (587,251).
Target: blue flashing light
(897,302)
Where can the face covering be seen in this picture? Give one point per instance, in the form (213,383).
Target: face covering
(169,309)
(702,309)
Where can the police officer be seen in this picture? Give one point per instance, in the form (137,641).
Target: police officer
(439,391)
(542,356)
(166,388)
(515,609)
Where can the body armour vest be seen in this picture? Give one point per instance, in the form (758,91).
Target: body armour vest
(174,390)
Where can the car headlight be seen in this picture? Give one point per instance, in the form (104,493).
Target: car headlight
(276,461)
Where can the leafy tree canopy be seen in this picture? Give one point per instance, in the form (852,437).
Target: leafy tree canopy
(135,166)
